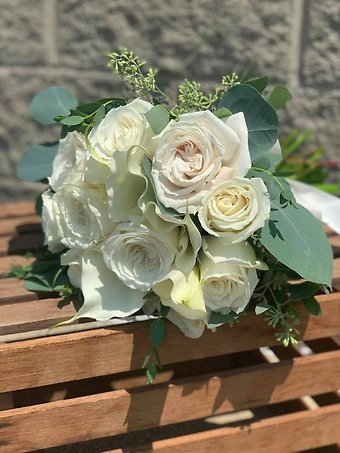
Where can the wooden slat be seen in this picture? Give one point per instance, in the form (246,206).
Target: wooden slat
(106,351)
(6,262)
(17,209)
(336,274)
(13,290)
(287,433)
(157,406)
(10,245)
(20,225)
(33,315)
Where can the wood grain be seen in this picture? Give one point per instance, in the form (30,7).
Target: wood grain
(6,262)
(33,315)
(10,245)
(105,351)
(69,421)
(20,225)
(289,433)
(17,210)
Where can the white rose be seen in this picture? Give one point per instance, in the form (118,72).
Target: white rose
(50,223)
(182,291)
(139,255)
(228,274)
(190,154)
(122,128)
(69,162)
(72,259)
(235,209)
(83,215)
(191,328)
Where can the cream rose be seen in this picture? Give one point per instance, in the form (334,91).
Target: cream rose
(122,128)
(140,256)
(70,160)
(190,154)
(235,209)
(191,328)
(83,215)
(228,274)
(182,292)
(50,223)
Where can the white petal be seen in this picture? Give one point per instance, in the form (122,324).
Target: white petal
(105,296)
(324,206)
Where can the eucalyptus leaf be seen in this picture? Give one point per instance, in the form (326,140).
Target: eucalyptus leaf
(217,319)
(258,83)
(303,290)
(313,306)
(36,285)
(72,120)
(261,307)
(99,115)
(222,112)
(151,373)
(52,102)
(261,118)
(36,163)
(157,331)
(279,97)
(158,117)
(297,239)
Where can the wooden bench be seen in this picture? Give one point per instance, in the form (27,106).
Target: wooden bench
(235,390)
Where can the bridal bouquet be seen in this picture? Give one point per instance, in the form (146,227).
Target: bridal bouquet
(174,208)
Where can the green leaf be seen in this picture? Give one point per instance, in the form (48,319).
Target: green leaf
(313,306)
(157,331)
(259,83)
(146,360)
(99,115)
(36,162)
(303,290)
(279,97)
(36,285)
(158,117)
(72,120)
(222,112)
(50,103)
(261,118)
(297,239)
(261,307)
(38,205)
(151,373)
(217,319)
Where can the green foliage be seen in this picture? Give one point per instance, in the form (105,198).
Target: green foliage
(258,83)
(152,362)
(45,274)
(36,162)
(279,97)
(284,236)
(158,117)
(304,162)
(217,319)
(312,306)
(52,102)
(261,118)
(192,98)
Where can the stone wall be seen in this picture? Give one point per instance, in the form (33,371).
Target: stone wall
(65,42)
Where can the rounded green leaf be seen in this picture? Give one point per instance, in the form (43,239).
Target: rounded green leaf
(261,118)
(72,120)
(297,239)
(52,102)
(36,163)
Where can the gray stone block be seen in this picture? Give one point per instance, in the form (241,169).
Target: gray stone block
(319,111)
(322,47)
(198,39)
(17,128)
(21,32)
